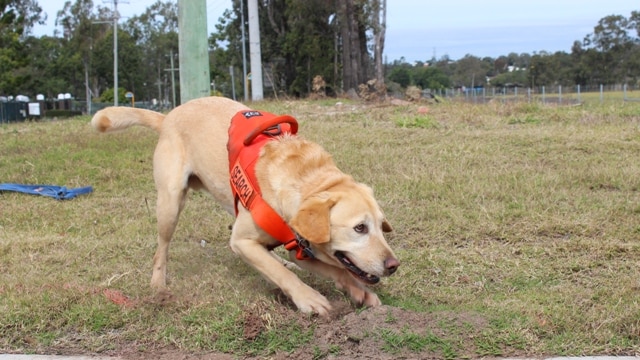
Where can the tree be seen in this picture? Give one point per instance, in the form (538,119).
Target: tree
(610,32)
(401,75)
(300,46)
(516,78)
(580,69)
(130,69)
(470,71)
(82,28)
(306,44)
(17,18)
(46,72)
(355,58)
(225,51)
(379,25)
(551,69)
(155,33)
(612,51)
(431,78)
(107,96)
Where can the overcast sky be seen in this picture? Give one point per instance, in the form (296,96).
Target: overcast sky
(420,29)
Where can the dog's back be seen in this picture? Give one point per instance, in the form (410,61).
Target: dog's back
(196,135)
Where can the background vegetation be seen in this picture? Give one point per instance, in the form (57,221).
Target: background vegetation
(300,39)
(609,55)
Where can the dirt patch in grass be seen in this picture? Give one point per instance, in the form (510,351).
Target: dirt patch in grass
(384,332)
(388,332)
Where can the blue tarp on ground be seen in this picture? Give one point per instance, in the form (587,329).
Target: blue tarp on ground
(57,192)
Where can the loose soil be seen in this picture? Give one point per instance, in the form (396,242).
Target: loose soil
(347,334)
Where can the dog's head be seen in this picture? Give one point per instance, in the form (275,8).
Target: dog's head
(345,228)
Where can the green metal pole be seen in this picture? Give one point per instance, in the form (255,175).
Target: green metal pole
(194,49)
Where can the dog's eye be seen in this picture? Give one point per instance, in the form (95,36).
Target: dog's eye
(361,229)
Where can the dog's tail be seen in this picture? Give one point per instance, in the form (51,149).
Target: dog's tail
(119,118)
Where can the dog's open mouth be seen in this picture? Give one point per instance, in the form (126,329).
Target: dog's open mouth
(362,275)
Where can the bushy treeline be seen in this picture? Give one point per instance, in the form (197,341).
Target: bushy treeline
(300,39)
(610,55)
(340,40)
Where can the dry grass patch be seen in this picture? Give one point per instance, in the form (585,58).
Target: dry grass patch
(517,226)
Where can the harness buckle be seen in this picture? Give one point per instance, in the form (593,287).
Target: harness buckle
(301,246)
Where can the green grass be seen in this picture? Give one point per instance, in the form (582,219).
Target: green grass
(523,215)
(419,121)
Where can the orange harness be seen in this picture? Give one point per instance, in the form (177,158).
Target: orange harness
(250,130)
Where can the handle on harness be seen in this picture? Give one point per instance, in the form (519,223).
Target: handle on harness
(270,123)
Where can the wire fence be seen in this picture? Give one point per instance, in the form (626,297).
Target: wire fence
(545,94)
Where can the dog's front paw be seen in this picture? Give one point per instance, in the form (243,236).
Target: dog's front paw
(371,299)
(362,296)
(310,301)
(358,292)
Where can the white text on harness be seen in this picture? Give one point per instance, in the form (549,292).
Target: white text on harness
(242,185)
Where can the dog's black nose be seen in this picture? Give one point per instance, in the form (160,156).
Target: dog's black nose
(391,264)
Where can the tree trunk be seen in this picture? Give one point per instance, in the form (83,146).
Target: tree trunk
(379,28)
(344,9)
(354,47)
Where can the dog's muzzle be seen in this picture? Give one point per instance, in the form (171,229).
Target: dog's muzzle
(390,265)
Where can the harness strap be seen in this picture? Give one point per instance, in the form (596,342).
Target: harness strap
(268,220)
(248,133)
(264,216)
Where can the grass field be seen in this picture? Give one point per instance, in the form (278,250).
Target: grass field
(517,225)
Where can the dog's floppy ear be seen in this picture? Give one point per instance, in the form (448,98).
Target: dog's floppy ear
(313,221)
(386,227)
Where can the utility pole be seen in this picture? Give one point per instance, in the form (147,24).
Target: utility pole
(173,79)
(194,50)
(115,49)
(244,54)
(254,51)
(233,82)
(159,83)
(87,89)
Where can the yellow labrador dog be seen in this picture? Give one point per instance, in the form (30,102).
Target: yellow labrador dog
(338,218)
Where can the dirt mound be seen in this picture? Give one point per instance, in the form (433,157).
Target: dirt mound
(383,332)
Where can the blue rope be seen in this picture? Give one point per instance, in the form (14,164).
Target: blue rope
(57,192)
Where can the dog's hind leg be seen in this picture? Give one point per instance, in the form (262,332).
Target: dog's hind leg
(171,200)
